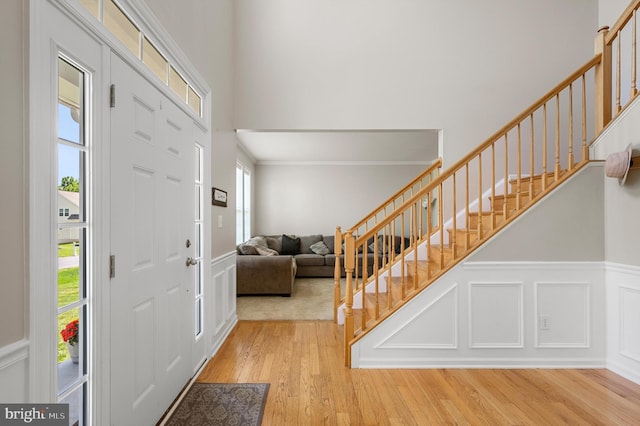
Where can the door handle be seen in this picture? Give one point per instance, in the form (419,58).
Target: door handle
(191,261)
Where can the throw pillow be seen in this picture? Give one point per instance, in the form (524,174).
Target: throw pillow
(275,243)
(319,248)
(290,245)
(381,247)
(307,241)
(264,251)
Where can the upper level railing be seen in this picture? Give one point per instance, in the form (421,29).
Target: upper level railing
(405,251)
(618,48)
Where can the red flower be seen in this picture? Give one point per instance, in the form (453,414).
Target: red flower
(70,332)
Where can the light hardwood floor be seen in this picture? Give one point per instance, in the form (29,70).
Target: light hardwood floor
(302,361)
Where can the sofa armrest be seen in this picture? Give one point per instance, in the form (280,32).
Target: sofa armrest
(265,274)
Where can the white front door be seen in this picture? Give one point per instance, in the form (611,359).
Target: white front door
(152,217)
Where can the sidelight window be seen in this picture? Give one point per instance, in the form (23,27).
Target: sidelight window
(73,240)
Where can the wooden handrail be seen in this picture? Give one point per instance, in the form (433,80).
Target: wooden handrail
(487,143)
(622,21)
(437,164)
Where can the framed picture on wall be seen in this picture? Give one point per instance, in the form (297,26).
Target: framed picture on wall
(218,197)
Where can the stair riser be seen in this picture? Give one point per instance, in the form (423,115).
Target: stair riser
(498,202)
(525,184)
(486,221)
(461,236)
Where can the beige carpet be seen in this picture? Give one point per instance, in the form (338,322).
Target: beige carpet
(312,299)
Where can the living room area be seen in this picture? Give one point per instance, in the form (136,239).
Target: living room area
(300,186)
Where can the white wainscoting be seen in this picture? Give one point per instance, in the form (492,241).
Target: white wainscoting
(220,299)
(562,310)
(488,314)
(495,315)
(14,372)
(623,319)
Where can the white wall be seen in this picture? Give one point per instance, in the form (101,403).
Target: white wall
(314,199)
(204,32)
(621,206)
(13,86)
(610,10)
(466,67)
(621,203)
(566,226)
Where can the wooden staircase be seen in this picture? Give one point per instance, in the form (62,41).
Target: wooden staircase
(426,229)
(376,305)
(421,273)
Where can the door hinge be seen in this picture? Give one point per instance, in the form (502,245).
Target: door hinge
(112,96)
(112,266)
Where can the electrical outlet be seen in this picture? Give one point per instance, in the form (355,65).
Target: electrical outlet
(545,322)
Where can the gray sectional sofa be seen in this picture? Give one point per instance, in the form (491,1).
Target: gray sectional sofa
(270,264)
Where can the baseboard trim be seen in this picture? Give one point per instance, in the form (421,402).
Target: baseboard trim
(623,371)
(478,363)
(14,353)
(537,265)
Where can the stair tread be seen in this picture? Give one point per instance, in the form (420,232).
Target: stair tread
(510,195)
(487,213)
(538,176)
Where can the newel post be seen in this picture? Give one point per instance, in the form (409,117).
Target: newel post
(337,272)
(349,261)
(603,77)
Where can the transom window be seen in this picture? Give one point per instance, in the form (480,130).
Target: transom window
(122,26)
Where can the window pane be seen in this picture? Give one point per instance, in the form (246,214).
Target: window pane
(70,184)
(198,245)
(194,101)
(93,6)
(199,267)
(198,202)
(118,23)
(76,406)
(239,206)
(154,60)
(70,265)
(198,165)
(198,318)
(247,204)
(70,87)
(68,126)
(69,343)
(177,84)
